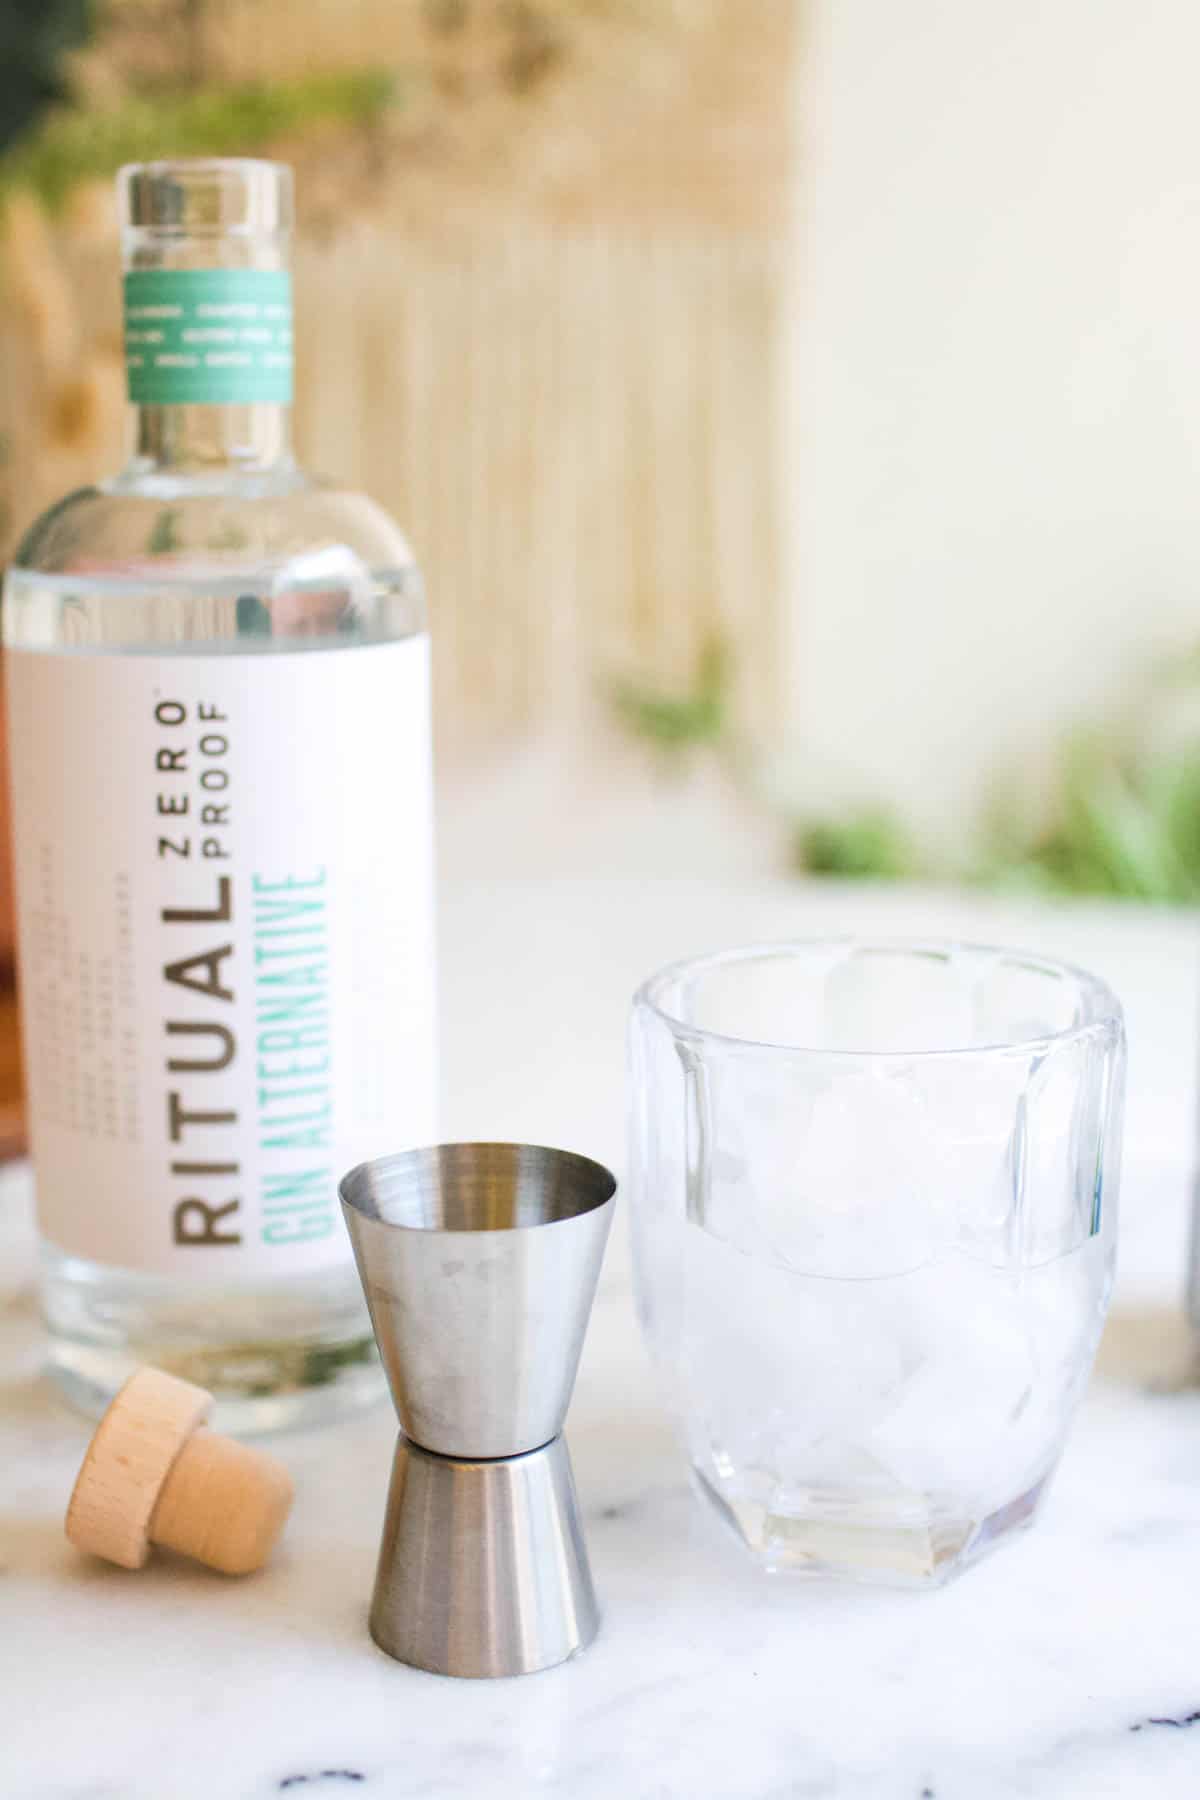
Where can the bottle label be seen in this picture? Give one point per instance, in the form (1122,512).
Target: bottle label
(208,337)
(225,911)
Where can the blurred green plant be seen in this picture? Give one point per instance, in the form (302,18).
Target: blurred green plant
(36,37)
(1125,825)
(1124,822)
(679,722)
(868,845)
(163,538)
(71,145)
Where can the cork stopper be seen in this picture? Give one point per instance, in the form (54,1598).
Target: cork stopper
(155,1474)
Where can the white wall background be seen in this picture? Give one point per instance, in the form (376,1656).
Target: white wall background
(997,492)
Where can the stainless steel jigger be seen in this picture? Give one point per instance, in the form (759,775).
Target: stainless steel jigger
(480,1264)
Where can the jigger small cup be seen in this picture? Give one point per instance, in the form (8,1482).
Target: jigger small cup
(479,1263)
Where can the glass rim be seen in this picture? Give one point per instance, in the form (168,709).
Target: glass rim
(1107,1010)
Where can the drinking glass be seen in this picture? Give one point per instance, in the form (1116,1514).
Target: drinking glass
(874,1193)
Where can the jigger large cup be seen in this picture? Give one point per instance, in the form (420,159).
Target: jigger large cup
(479,1263)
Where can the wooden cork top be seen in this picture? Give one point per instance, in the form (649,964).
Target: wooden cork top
(155,1474)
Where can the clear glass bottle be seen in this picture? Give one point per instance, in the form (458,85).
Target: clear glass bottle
(218,694)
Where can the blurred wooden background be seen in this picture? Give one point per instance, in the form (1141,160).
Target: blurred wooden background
(544,328)
(540,317)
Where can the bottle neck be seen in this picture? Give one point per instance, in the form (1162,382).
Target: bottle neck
(208,331)
(212,438)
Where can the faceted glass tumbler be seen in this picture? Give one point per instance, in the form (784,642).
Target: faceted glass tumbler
(874,1193)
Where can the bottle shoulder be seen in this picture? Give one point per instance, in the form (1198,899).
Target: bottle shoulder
(254,565)
(270,519)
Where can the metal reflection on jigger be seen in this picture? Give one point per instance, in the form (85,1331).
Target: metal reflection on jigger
(480,1263)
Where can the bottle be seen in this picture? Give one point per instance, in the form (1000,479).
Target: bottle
(217,681)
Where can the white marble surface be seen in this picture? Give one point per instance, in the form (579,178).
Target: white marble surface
(1066,1666)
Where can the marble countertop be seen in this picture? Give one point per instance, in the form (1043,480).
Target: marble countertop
(1066,1666)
